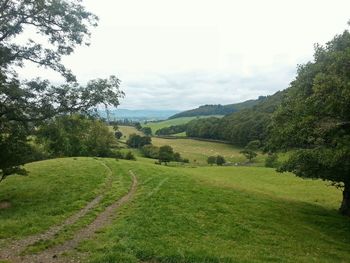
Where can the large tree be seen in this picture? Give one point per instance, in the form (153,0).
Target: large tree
(25,104)
(314,118)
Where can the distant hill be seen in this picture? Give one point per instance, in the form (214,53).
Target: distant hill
(239,127)
(218,109)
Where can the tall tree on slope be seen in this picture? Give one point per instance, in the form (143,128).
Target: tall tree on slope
(24,104)
(315,118)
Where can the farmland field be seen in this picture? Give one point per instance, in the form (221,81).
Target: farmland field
(177,121)
(226,214)
(198,151)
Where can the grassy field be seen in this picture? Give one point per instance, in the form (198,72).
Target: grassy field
(177,121)
(198,151)
(204,214)
(127,130)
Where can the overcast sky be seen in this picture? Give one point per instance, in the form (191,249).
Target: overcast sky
(180,54)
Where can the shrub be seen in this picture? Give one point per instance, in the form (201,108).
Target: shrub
(211,160)
(130,156)
(220,160)
(150,151)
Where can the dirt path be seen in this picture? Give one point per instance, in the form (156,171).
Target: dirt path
(18,246)
(11,252)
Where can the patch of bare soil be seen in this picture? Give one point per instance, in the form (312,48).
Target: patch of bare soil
(4,204)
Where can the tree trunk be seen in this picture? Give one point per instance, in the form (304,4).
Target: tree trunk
(345,205)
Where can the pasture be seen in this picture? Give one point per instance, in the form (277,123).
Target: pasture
(171,122)
(178,214)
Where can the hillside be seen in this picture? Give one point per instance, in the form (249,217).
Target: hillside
(218,109)
(240,127)
(172,122)
(227,214)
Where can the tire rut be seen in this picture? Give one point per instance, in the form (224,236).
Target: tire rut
(11,251)
(54,254)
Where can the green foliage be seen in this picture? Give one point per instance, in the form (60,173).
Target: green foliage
(249,154)
(173,129)
(220,160)
(166,154)
(137,125)
(219,109)
(253,145)
(64,24)
(271,160)
(241,127)
(208,128)
(211,160)
(118,135)
(75,135)
(147,131)
(24,105)
(150,151)
(130,156)
(314,117)
(138,141)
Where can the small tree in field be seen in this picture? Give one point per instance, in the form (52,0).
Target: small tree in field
(249,154)
(147,131)
(211,160)
(118,135)
(220,160)
(249,150)
(315,118)
(166,154)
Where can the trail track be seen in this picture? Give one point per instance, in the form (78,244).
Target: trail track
(12,252)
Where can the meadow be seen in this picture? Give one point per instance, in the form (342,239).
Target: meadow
(178,214)
(197,151)
(171,122)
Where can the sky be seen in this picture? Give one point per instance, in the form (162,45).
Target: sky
(179,54)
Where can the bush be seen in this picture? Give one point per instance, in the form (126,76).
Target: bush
(211,160)
(271,161)
(130,156)
(185,160)
(220,160)
(137,141)
(166,154)
(150,151)
(75,135)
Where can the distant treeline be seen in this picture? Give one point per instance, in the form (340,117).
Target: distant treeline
(218,109)
(239,128)
(174,129)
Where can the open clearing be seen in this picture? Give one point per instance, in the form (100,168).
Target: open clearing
(204,214)
(171,122)
(197,151)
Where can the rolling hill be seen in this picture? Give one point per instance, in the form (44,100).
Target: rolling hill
(218,109)
(142,212)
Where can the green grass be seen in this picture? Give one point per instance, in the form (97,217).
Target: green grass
(52,191)
(195,150)
(119,186)
(127,130)
(198,151)
(171,122)
(224,214)
(181,214)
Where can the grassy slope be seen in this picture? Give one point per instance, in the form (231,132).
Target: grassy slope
(205,214)
(200,150)
(52,191)
(158,125)
(224,214)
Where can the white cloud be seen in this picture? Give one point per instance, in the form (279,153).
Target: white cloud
(179,54)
